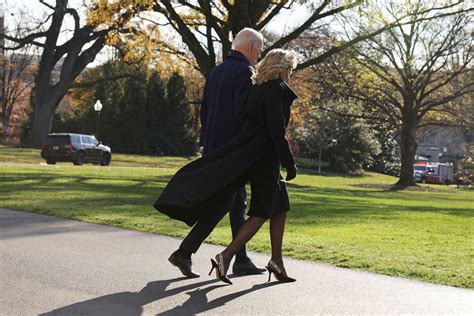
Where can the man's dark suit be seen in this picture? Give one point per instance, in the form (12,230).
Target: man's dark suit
(225,96)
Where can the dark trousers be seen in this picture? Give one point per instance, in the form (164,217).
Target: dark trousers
(227,201)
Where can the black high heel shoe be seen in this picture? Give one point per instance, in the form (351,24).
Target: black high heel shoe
(220,269)
(279,275)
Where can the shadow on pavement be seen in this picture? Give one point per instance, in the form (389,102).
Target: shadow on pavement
(131,303)
(198,302)
(19,224)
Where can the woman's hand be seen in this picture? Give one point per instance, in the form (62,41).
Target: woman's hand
(291,172)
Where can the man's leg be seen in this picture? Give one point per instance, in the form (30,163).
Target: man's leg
(214,212)
(204,227)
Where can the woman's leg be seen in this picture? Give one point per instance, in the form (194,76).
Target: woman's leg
(275,266)
(277,228)
(246,232)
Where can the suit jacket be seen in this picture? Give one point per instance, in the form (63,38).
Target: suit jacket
(229,167)
(225,95)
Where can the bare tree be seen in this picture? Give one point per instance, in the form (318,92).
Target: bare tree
(70,57)
(16,77)
(409,71)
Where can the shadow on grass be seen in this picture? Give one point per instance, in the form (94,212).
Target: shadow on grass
(379,194)
(136,196)
(131,303)
(333,203)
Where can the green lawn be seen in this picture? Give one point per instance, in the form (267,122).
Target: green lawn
(334,219)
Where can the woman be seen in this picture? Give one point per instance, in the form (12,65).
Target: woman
(255,154)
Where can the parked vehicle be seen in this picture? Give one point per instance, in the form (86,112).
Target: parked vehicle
(430,172)
(419,171)
(75,148)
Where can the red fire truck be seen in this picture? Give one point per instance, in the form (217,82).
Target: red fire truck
(433,172)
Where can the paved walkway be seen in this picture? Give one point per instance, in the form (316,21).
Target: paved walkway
(54,266)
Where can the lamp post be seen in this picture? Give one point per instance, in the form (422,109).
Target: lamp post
(97,108)
(445,150)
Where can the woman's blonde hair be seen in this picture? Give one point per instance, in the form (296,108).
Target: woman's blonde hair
(274,65)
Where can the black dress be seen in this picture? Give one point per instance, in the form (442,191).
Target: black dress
(254,155)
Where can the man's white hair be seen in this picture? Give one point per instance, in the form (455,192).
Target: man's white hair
(247,36)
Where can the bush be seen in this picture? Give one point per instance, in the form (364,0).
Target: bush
(346,143)
(386,161)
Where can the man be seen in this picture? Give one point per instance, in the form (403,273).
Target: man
(225,96)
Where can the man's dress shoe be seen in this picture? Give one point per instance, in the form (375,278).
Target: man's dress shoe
(246,268)
(183,264)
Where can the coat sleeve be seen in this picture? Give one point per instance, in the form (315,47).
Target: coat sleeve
(203,116)
(274,100)
(243,85)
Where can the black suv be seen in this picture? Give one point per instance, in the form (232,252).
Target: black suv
(76,148)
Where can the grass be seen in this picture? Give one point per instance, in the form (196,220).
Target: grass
(15,155)
(426,236)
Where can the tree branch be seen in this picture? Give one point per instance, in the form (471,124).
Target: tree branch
(276,9)
(188,37)
(29,39)
(337,49)
(429,105)
(75,15)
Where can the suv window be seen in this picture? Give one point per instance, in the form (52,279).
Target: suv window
(84,139)
(75,139)
(92,140)
(57,140)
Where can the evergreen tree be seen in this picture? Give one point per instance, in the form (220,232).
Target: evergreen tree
(109,93)
(130,127)
(386,161)
(178,125)
(156,105)
(347,143)
(356,145)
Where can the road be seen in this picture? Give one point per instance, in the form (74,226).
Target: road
(54,266)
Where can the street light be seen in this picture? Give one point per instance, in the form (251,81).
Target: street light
(97,108)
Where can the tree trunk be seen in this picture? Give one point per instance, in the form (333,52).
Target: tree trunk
(41,125)
(408,148)
(46,99)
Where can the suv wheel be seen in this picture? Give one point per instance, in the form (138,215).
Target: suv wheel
(80,159)
(105,160)
(50,162)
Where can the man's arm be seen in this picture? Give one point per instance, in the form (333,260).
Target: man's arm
(242,87)
(203,116)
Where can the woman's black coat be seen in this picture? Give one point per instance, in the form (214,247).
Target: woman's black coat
(268,112)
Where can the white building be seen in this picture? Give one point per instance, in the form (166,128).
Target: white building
(443,144)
